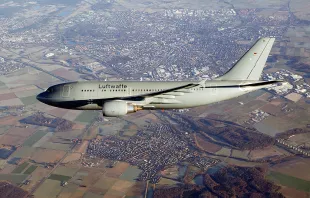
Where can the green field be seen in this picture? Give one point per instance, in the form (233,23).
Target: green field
(49,188)
(105,183)
(30,169)
(34,138)
(257,93)
(131,174)
(62,170)
(13,178)
(91,195)
(29,100)
(2,163)
(224,152)
(59,177)
(240,154)
(56,146)
(87,116)
(24,152)
(20,168)
(3,129)
(290,181)
(165,181)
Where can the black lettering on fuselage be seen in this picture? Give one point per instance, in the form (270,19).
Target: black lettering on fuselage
(111,86)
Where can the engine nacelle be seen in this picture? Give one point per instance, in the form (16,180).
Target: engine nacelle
(118,108)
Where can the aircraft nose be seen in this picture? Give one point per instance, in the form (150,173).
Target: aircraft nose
(42,97)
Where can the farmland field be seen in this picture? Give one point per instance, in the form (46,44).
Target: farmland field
(56,146)
(61,170)
(50,188)
(87,116)
(30,169)
(13,178)
(20,168)
(91,195)
(130,174)
(34,138)
(24,152)
(59,177)
(29,100)
(286,180)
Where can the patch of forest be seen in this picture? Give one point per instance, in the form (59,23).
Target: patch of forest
(226,182)
(9,190)
(235,135)
(39,119)
(291,132)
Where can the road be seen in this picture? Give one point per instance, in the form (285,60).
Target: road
(47,72)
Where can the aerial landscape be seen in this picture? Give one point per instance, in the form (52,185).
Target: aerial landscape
(256,145)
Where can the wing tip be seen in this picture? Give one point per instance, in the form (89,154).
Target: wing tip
(269,39)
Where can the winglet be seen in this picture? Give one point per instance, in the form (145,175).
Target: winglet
(251,65)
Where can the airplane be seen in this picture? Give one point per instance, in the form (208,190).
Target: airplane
(118,98)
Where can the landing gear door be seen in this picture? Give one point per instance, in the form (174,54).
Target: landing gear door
(66,91)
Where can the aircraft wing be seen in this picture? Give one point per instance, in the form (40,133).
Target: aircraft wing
(164,94)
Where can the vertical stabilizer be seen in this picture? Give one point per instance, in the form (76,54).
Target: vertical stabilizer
(251,65)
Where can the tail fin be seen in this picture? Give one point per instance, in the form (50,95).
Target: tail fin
(251,65)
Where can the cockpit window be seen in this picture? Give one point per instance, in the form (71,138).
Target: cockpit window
(49,90)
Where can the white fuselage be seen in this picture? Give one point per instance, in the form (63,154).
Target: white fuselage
(83,95)
(121,97)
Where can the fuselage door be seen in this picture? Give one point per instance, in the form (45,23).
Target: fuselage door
(93,94)
(128,90)
(213,89)
(66,91)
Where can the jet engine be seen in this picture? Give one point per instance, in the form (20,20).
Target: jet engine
(118,108)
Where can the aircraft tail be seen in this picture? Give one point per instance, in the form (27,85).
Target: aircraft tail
(252,63)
